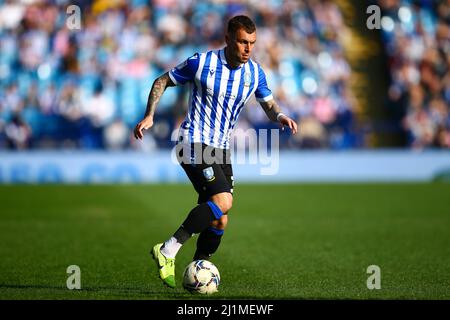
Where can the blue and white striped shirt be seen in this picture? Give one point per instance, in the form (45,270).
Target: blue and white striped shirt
(217,96)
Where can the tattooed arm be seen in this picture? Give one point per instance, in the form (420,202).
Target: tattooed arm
(274,113)
(158,88)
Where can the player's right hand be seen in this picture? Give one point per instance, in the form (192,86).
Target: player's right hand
(288,122)
(145,124)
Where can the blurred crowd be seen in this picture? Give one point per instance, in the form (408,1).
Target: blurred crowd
(86,88)
(417,40)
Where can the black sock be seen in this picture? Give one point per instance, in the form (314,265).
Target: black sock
(198,219)
(207,243)
(182,235)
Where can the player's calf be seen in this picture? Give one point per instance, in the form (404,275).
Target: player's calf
(198,219)
(207,243)
(209,240)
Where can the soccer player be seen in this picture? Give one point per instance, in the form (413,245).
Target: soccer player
(221,82)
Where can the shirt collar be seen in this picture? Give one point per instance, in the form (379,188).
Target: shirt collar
(222,56)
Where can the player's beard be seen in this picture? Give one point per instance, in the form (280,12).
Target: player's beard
(238,57)
(244,59)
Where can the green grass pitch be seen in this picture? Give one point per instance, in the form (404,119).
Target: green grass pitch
(283,241)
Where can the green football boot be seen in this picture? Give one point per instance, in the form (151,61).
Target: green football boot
(166,266)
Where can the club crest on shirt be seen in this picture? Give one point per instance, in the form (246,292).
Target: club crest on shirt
(208,173)
(247,79)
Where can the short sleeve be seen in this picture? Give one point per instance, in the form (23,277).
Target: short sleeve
(262,92)
(185,71)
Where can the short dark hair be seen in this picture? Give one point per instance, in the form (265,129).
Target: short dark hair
(240,22)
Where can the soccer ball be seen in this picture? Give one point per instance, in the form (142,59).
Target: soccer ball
(201,276)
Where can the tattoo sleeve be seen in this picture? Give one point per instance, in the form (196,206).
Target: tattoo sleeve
(158,88)
(271,109)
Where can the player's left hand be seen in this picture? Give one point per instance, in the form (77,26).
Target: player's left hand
(288,122)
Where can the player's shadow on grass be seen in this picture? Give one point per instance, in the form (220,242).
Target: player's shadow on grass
(103,290)
(111,292)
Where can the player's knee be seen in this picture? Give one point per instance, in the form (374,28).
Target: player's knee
(224,201)
(221,223)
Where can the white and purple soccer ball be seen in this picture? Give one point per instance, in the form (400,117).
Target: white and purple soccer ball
(201,276)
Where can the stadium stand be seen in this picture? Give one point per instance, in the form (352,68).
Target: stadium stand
(416,35)
(87,88)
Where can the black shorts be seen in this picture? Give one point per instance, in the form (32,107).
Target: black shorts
(208,168)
